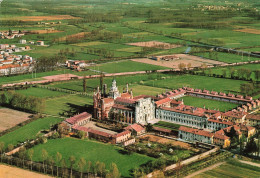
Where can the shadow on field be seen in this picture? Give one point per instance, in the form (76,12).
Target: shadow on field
(74,109)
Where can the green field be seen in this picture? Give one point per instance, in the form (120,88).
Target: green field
(211,104)
(219,71)
(232,169)
(143,90)
(92,151)
(29,131)
(167,125)
(40,92)
(70,103)
(125,66)
(38,76)
(201,82)
(226,57)
(76,85)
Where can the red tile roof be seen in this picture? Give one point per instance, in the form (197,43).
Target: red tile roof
(253,117)
(97,132)
(162,101)
(220,136)
(122,134)
(125,100)
(73,120)
(220,121)
(136,127)
(196,131)
(195,113)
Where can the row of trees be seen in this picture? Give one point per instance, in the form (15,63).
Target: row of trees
(22,102)
(231,72)
(49,63)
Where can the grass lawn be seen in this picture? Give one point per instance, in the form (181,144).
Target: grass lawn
(29,131)
(226,57)
(201,82)
(167,125)
(232,169)
(68,103)
(76,85)
(40,92)
(143,90)
(125,66)
(91,151)
(211,104)
(219,71)
(30,77)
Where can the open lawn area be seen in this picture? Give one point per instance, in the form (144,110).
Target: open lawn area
(226,57)
(201,82)
(29,131)
(38,76)
(40,92)
(143,90)
(125,66)
(70,103)
(211,104)
(77,85)
(232,169)
(91,151)
(167,125)
(222,70)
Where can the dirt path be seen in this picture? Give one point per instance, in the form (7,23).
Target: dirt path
(14,172)
(204,170)
(250,163)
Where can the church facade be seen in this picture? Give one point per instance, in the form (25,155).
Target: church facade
(122,107)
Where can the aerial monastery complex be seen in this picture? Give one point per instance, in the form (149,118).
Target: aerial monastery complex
(198,124)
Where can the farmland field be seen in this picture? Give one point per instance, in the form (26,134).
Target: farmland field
(92,151)
(211,104)
(69,103)
(226,57)
(40,92)
(125,66)
(9,118)
(232,169)
(201,82)
(219,71)
(29,131)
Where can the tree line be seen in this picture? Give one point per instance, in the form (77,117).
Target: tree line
(22,102)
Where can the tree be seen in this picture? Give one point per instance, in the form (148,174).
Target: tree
(58,159)
(2,146)
(84,84)
(181,66)
(242,143)
(81,134)
(114,171)
(257,74)
(22,154)
(224,73)
(89,167)
(251,146)
(50,162)
(246,88)
(81,165)
(30,155)
(72,162)
(63,166)
(10,147)
(44,158)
